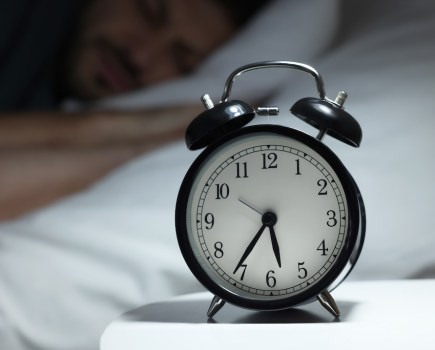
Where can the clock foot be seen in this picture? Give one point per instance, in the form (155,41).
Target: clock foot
(215,306)
(328,302)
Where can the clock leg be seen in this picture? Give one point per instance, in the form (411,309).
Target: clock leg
(215,306)
(328,302)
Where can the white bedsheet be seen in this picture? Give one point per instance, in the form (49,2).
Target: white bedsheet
(67,270)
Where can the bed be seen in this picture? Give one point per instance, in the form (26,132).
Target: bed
(68,269)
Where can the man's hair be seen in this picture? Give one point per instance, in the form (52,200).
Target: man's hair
(242,10)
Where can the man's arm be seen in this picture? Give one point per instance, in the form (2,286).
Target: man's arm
(46,156)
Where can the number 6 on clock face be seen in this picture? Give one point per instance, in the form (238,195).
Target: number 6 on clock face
(268,217)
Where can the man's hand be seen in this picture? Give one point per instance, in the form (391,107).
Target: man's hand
(46,156)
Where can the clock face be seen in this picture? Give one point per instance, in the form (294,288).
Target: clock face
(263,218)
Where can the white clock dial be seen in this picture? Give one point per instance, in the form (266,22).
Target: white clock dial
(267,216)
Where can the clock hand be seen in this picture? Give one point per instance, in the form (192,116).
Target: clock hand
(250,247)
(250,206)
(275,245)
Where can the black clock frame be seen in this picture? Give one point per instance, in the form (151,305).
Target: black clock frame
(351,248)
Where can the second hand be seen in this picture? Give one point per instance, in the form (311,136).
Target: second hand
(250,206)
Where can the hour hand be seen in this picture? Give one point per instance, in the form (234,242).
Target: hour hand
(275,245)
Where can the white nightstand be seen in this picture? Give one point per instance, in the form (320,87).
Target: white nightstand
(375,315)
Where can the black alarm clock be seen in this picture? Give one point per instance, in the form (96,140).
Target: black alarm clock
(268,217)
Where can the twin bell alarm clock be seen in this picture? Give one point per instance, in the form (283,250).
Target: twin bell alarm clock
(268,217)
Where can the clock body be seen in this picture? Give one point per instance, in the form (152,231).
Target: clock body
(268,217)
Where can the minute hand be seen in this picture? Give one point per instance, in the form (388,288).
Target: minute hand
(250,247)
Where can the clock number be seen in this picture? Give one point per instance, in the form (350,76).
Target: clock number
(218,253)
(209,220)
(270,279)
(222,191)
(298,167)
(244,266)
(332,221)
(322,184)
(322,248)
(302,270)
(242,170)
(269,160)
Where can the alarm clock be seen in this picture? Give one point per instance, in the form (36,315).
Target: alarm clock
(268,217)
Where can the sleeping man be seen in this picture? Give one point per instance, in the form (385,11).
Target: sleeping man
(92,50)
(68,269)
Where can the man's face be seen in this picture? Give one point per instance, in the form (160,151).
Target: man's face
(123,45)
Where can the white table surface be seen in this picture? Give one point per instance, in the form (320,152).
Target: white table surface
(375,315)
